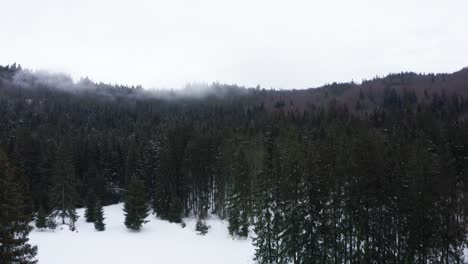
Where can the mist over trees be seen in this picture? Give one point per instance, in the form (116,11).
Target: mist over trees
(346,173)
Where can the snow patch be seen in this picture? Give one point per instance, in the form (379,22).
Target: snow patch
(158,242)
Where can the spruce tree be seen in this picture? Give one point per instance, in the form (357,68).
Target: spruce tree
(292,198)
(14,231)
(233,214)
(135,204)
(63,193)
(238,214)
(264,226)
(175,209)
(91,210)
(41,218)
(99,217)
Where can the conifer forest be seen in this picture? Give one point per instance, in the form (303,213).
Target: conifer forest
(371,172)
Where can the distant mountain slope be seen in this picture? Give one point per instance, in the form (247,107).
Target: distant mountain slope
(411,88)
(394,91)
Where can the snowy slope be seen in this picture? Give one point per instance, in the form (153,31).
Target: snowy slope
(158,242)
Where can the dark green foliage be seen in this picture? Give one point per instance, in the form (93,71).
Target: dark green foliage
(91,208)
(63,191)
(99,217)
(234,220)
(265,209)
(175,210)
(171,184)
(239,199)
(135,204)
(41,218)
(267,222)
(14,231)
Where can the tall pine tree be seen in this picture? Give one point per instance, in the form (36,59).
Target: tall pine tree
(63,193)
(136,205)
(99,217)
(91,210)
(14,225)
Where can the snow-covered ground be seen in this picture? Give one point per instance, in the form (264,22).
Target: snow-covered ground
(465,252)
(158,242)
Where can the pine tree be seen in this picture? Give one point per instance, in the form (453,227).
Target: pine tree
(266,209)
(63,193)
(175,209)
(14,231)
(291,243)
(41,218)
(233,217)
(169,182)
(91,209)
(151,166)
(99,217)
(315,196)
(292,196)
(219,186)
(238,211)
(135,204)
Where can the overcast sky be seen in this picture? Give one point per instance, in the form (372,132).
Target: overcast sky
(278,44)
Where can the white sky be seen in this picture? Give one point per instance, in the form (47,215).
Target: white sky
(279,44)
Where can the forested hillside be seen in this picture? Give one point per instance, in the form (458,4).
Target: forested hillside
(346,173)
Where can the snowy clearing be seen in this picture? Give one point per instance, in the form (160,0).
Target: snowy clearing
(158,242)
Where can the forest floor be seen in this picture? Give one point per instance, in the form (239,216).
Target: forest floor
(158,242)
